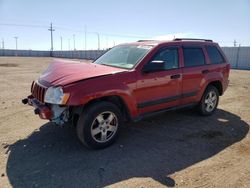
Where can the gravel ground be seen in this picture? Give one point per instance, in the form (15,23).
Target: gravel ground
(180,148)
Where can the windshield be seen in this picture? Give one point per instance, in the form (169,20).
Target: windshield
(124,56)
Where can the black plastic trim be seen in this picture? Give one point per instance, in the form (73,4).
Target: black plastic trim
(165,100)
(149,114)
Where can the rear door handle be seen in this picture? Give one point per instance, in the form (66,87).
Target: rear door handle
(205,71)
(175,76)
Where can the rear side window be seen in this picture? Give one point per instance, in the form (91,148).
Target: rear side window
(193,56)
(214,55)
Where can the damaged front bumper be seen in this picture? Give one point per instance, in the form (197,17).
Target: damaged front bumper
(52,112)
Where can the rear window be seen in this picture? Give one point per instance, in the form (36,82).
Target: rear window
(193,56)
(214,55)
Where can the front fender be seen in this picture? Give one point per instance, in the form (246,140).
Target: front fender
(85,91)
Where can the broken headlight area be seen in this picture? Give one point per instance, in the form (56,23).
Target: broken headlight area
(61,115)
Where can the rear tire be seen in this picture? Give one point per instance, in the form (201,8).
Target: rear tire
(98,125)
(209,101)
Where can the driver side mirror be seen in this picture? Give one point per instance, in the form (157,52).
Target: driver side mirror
(153,66)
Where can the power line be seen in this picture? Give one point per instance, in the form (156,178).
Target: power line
(24,25)
(106,34)
(63,27)
(76,30)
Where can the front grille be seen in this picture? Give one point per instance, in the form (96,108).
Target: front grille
(38,92)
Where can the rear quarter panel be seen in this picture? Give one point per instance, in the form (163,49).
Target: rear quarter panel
(220,71)
(217,72)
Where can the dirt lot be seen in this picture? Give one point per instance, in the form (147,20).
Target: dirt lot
(178,148)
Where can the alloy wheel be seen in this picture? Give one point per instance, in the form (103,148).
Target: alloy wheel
(104,127)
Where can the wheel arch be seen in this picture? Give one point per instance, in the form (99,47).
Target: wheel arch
(115,99)
(218,85)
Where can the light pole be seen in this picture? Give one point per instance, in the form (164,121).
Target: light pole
(16,41)
(2,43)
(74,42)
(98,37)
(61,43)
(107,42)
(69,44)
(85,37)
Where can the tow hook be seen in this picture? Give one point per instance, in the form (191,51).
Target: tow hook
(36,111)
(25,101)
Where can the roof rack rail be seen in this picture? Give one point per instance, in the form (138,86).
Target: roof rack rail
(145,40)
(179,39)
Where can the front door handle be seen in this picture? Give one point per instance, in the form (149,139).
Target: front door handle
(175,76)
(205,71)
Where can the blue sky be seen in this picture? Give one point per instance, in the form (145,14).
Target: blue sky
(121,21)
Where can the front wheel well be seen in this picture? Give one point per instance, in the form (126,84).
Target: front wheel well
(118,101)
(217,84)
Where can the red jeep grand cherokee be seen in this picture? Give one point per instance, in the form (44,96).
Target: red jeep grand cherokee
(129,82)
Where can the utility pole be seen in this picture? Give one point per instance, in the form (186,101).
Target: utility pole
(51,37)
(237,57)
(16,41)
(74,42)
(235,43)
(2,43)
(61,43)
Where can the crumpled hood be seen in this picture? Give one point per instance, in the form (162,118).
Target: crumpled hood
(63,72)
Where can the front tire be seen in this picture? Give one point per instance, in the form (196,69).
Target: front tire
(209,101)
(98,125)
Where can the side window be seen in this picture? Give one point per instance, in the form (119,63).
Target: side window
(193,56)
(214,55)
(169,56)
